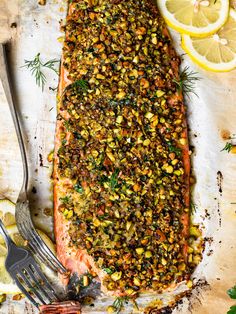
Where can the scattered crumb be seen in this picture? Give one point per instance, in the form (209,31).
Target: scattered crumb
(48,211)
(210,253)
(42,2)
(40,160)
(13,25)
(18,297)
(50,156)
(225,134)
(34,190)
(220,181)
(207,214)
(210,240)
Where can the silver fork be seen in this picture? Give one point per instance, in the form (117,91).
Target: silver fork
(23,216)
(27,275)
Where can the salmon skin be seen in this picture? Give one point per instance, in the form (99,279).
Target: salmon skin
(121,164)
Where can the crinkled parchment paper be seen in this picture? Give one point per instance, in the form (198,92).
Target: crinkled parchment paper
(32,29)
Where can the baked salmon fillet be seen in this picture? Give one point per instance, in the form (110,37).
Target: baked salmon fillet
(121,164)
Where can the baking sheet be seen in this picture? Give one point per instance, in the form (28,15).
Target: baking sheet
(209,114)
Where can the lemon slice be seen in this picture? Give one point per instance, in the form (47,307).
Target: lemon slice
(195,17)
(17,238)
(14,234)
(6,283)
(3,250)
(7,212)
(216,52)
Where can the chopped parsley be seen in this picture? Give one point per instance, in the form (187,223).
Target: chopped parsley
(232,293)
(108,271)
(227,147)
(65,200)
(78,188)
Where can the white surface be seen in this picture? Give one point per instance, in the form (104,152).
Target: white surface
(213,111)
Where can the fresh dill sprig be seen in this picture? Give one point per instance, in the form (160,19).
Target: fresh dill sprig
(187,81)
(193,207)
(81,85)
(114,179)
(228,147)
(118,304)
(36,68)
(66,199)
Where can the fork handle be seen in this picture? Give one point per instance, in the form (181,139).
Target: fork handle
(5,79)
(5,235)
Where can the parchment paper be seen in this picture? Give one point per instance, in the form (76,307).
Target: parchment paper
(209,114)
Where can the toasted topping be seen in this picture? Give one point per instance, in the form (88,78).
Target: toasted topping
(122,143)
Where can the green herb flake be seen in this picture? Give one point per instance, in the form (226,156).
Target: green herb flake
(232,310)
(227,147)
(232,292)
(81,85)
(174,149)
(193,207)
(78,188)
(108,271)
(114,179)
(63,142)
(118,304)
(65,200)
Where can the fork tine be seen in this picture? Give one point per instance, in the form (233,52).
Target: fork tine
(30,285)
(52,258)
(43,278)
(26,293)
(42,257)
(39,285)
(42,249)
(37,247)
(49,259)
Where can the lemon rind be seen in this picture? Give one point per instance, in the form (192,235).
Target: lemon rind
(201,61)
(200,32)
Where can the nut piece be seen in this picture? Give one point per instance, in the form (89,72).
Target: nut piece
(42,2)
(116,276)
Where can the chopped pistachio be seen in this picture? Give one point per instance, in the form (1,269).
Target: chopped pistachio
(116,276)
(183,141)
(119,119)
(148,254)
(139,250)
(160,93)
(85,281)
(146,142)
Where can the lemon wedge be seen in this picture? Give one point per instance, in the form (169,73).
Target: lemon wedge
(216,52)
(198,18)
(7,285)
(7,212)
